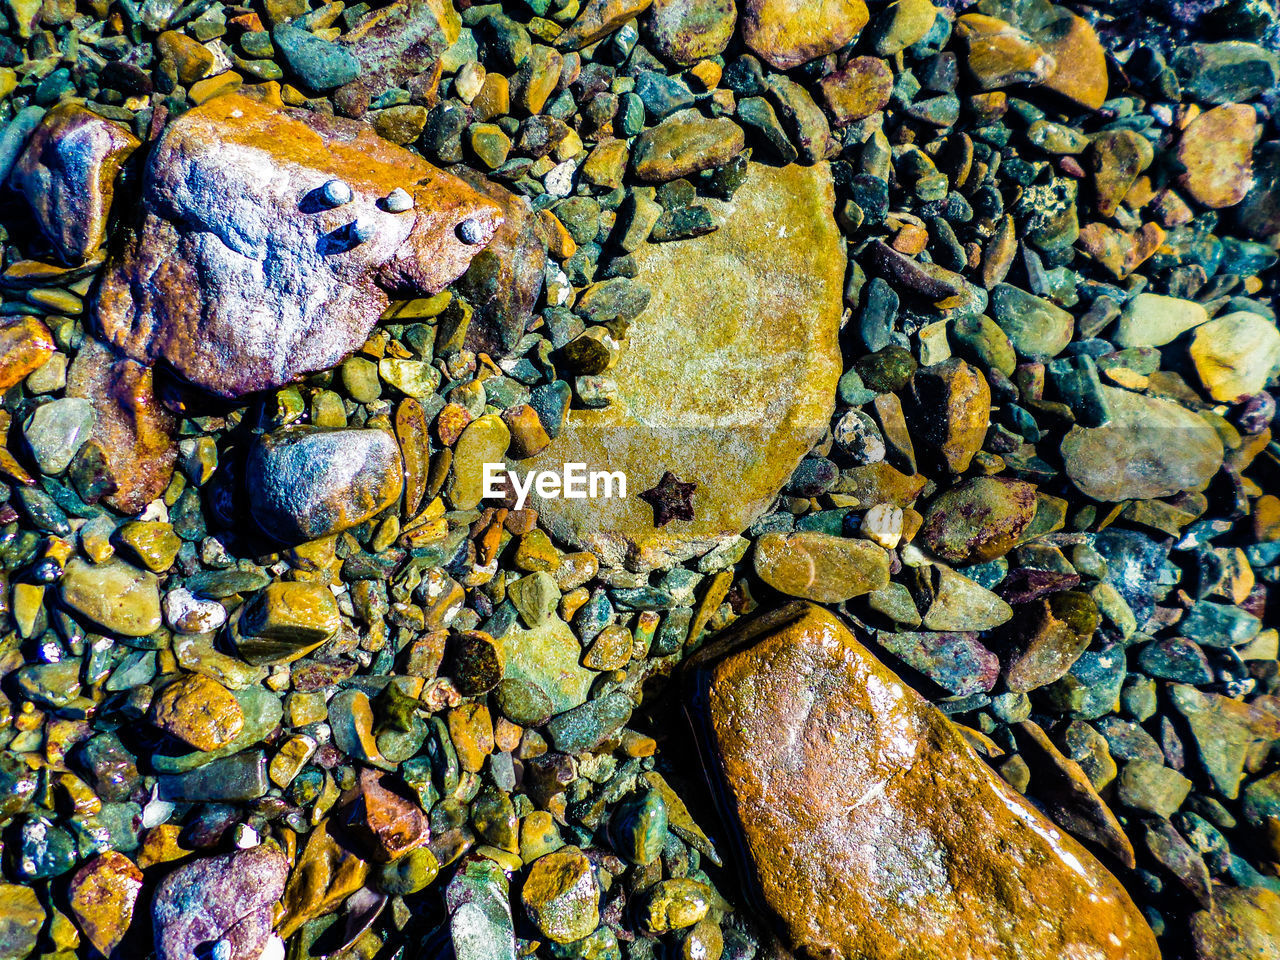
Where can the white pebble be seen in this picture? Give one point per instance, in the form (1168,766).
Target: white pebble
(470,231)
(222,950)
(189,614)
(245,836)
(398,200)
(274,950)
(362,230)
(559,182)
(882,524)
(336,193)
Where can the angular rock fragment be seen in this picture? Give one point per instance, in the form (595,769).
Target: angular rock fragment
(67,172)
(867,822)
(242,276)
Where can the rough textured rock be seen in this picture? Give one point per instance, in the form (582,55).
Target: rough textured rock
(228,897)
(505,279)
(395,43)
(133,431)
(67,173)
(25,345)
(686,31)
(308,482)
(1217,152)
(1243,924)
(868,825)
(102,895)
(241,277)
(788,33)
(736,352)
(1150,448)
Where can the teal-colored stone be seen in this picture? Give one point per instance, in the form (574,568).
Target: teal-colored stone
(639,827)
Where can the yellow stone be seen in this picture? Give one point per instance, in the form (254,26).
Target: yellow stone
(198,711)
(1235,354)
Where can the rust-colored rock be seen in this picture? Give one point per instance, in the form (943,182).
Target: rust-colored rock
(1000,55)
(25,345)
(858,90)
(382,823)
(199,711)
(1217,154)
(788,33)
(1082,64)
(244,274)
(868,825)
(134,432)
(67,172)
(102,895)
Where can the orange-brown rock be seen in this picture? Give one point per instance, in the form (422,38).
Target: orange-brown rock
(199,711)
(25,345)
(381,822)
(67,172)
(870,828)
(788,33)
(1082,64)
(134,432)
(270,239)
(1217,154)
(396,43)
(102,895)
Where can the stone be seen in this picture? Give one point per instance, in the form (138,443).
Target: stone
(1081,74)
(787,33)
(948,409)
(1152,787)
(485,440)
(320,64)
(677,904)
(561,895)
(67,173)
(962,604)
(309,482)
(132,430)
(284,621)
(1235,355)
(25,346)
(901,24)
(546,657)
(1152,320)
(56,431)
(686,31)
(394,43)
(978,520)
(1038,328)
(1217,153)
(382,823)
(859,89)
(599,18)
(683,144)
(1047,638)
(191,58)
(1150,448)
(112,595)
(829,767)
(1000,55)
(21,921)
(956,662)
(754,376)
(199,711)
(479,905)
(193,285)
(229,897)
(1243,922)
(102,895)
(821,567)
(584,728)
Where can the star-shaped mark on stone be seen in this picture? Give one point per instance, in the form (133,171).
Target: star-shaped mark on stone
(671,499)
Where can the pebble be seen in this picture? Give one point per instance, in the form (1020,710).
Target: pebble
(198,711)
(56,430)
(102,896)
(113,595)
(683,144)
(1216,150)
(561,895)
(979,520)
(285,621)
(788,33)
(1153,320)
(310,482)
(25,346)
(818,566)
(1235,355)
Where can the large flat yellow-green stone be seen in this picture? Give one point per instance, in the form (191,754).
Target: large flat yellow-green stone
(728,378)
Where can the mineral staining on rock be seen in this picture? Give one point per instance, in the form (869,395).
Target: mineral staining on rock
(735,352)
(242,276)
(866,821)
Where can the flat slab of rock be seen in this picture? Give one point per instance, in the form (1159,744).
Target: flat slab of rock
(727,380)
(1150,448)
(869,825)
(242,276)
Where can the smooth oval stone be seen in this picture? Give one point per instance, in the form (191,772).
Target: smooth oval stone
(1235,354)
(1150,448)
(561,895)
(547,657)
(308,482)
(818,566)
(866,821)
(788,33)
(485,440)
(115,595)
(736,354)
(20,921)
